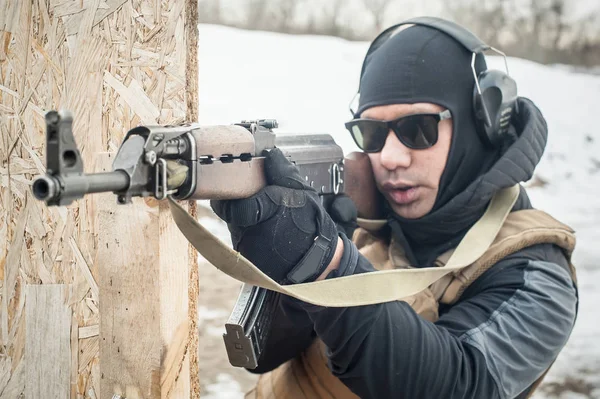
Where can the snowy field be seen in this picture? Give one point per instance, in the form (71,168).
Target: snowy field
(307,82)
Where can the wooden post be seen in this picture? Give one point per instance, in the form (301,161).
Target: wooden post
(114,64)
(143,279)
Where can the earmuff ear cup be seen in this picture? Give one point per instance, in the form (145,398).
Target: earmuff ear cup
(494,107)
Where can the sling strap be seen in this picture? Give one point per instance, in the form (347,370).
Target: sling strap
(360,289)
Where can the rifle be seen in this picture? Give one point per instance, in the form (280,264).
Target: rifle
(214,162)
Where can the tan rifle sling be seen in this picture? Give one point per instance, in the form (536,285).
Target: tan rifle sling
(356,290)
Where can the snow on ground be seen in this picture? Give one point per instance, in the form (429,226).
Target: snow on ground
(307,82)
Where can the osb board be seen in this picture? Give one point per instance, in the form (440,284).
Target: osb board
(114,64)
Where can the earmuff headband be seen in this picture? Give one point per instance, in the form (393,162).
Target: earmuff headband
(462,35)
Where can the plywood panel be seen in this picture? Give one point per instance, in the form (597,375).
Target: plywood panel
(114,64)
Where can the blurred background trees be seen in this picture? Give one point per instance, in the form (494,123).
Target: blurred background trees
(545,31)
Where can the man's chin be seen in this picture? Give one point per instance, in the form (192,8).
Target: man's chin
(408,211)
(413,210)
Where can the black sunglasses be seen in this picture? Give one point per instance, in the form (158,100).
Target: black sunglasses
(418,131)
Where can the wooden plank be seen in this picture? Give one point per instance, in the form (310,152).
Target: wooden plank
(143,281)
(74,366)
(128,277)
(175,325)
(47,345)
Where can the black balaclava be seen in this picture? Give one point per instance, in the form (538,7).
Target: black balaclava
(422,64)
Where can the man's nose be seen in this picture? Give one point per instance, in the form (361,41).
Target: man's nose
(395,154)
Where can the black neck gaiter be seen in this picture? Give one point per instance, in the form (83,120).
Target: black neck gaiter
(421,64)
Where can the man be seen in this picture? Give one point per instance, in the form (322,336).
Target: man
(489,332)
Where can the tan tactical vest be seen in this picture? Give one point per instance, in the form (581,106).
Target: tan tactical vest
(309,377)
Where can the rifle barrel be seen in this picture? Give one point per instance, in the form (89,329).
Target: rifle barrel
(50,188)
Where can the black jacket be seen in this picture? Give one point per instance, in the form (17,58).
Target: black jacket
(503,333)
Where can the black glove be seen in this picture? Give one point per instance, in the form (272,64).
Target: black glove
(283,229)
(343,212)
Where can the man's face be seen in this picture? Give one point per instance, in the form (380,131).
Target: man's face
(409,179)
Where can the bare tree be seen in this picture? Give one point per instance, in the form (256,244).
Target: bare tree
(486,18)
(329,22)
(209,11)
(558,10)
(286,14)
(377,9)
(256,12)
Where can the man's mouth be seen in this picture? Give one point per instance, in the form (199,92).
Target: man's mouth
(401,194)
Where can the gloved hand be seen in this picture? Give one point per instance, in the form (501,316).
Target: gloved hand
(283,229)
(344,213)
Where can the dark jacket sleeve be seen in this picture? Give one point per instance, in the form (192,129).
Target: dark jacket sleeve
(508,327)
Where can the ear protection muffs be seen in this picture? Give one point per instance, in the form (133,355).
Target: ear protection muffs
(494,102)
(494,92)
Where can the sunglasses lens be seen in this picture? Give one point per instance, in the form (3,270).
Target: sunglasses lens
(370,136)
(417,132)
(414,131)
